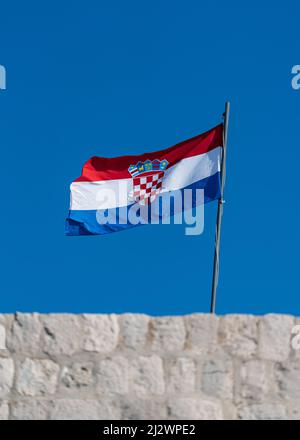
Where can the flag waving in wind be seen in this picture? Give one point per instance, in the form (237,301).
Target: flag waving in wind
(109,192)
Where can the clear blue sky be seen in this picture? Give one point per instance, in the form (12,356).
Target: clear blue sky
(123,77)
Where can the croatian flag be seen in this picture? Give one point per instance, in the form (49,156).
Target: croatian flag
(109,188)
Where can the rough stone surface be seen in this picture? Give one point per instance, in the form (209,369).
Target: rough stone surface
(217,377)
(78,375)
(202,332)
(167,333)
(275,337)
(30,409)
(294,410)
(254,380)
(181,376)
(147,375)
(134,331)
(6,376)
(287,377)
(62,334)
(101,333)
(194,408)
(75,409)
(295,339)
(37,377)
(137,409)
(239,335)
(135,367)
(2,337)
(24,336)
(4,410)
(263,411)
(112,376)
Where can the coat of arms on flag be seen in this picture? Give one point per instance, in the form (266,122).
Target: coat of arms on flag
(147,179)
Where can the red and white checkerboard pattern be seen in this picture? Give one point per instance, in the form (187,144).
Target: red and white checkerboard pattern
(147,187)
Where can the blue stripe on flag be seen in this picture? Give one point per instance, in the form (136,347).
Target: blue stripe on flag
(84,222)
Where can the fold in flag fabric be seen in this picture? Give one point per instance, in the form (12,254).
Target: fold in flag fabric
(109,187)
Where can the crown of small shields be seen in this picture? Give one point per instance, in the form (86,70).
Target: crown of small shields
(148,165)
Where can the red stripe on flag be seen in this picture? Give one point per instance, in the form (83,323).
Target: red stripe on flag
(100,168)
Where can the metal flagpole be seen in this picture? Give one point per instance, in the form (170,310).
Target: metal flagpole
(219,213)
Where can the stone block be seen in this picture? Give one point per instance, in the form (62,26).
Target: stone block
(101,333)
(77,375)
(62,334)
(293,409)
(238,334)
(37,377)
(147,375)
(275,337)
(202,333)
(167,334)
(112,376)
(2,337)
(79,409)
(254,380)
(190,408)
(217,376)
(137,409)
(181,376)
(6,376)
(4,410)
(288,379)
(134,331)
(30,409)
(25,333)
(262,411)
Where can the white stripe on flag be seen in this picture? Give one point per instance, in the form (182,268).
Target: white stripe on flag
(106,194)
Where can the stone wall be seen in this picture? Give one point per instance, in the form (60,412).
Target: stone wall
(138,367)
